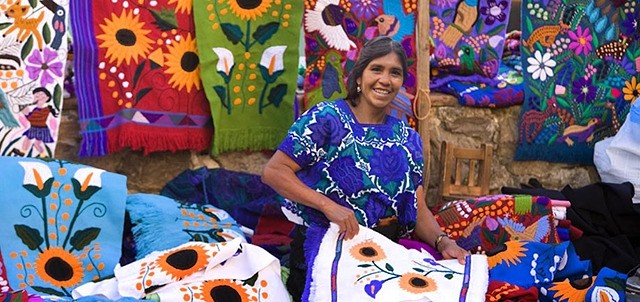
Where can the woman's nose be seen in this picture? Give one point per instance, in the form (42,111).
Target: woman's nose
(385,79)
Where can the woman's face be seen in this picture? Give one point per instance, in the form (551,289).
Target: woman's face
(381,81)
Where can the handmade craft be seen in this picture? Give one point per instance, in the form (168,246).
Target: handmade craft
(581,65)
(137,73)
(370,267)
(468,38)
(4,282)
(332,45)
(250,54)
(197,271)
(33,52)
(509,90)
(161,223)
(62,223)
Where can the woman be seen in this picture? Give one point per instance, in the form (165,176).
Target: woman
(350,163)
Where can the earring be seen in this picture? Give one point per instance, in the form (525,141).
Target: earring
(358,89)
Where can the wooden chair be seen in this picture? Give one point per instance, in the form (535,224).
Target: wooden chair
(455,160)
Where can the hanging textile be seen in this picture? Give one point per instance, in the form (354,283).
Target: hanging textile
(581,67)
(33,52)
(249,53)
(138,77)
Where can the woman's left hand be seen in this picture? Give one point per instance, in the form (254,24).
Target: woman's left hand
(451,250)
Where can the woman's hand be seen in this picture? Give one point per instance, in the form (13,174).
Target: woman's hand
(342,216)
(450,250)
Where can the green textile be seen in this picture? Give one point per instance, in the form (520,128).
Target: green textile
(249,64)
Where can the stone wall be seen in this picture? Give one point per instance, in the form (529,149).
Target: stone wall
(465,126)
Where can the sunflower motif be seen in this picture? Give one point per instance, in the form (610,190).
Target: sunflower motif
(249,9)
(125,38)
(417,284)
(59,267)
(509,252)
(572,291)
(631,90)
(184,261)
(367,251)
(183,64)
(182,6)
(223,290)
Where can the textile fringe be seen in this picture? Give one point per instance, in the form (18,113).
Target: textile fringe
(154,139)
(523,204)
(149,233)
(247,140)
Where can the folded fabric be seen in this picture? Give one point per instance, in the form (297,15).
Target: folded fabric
(508,91)
(608,285)
(61,223)
(371,267)
(161,223)
(196,271)
(505,291)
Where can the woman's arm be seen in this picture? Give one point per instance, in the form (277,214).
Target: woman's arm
(428,230)
(280,174)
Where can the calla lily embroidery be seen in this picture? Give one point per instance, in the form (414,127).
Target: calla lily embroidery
(86,182)
(271,67)
(225,67)
(37,178)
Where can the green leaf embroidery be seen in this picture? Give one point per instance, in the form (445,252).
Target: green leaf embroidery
(276,95)
(233,32)
(47,290)
(33,3)
(389,267)
(46,33)
(57,97)
(5,25)
(27,48)
(251,281)
(142,92)
(222,93)
(165,19)
(449,276)
(264,32)
(419,270)
(364,265)
(84,237)
(29,236)
(136,75)
(496,30)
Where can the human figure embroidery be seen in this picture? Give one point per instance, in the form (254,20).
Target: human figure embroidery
(37,121)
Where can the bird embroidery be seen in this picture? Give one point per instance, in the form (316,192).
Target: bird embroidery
(545,35)
(58,22)
(580,133)
(327,18)
(464,19)
(394,23)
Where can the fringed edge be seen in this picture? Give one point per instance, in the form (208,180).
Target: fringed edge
(314,236)
(141,208)
(153,139)
(523,204)
(246,140)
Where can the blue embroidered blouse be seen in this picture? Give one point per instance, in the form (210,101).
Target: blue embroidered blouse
(372,168)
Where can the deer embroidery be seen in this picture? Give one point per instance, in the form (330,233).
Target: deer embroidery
(25,26)
(614,49)
(545,35)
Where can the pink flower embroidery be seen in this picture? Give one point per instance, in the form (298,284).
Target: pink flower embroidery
(43,66)
(581,41)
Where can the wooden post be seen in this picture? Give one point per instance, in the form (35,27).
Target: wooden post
(423,99)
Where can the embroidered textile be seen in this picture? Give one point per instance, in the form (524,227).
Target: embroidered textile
(62,223)
(250,54)
(197,271)
(581,65)
(4,282)
(371,267)
(374,169)
(509,90)
(160,223)
(33,52)
(137,75)
(335,30)
(482,223)
(468,37)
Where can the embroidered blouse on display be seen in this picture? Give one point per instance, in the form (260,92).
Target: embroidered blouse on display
(372,168)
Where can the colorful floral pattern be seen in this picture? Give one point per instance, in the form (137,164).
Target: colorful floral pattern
(138,77)
(251,48)
(374,169)
(468,36)
(335,31)
(580,66)
(66,224)
(34,51)
(509,91)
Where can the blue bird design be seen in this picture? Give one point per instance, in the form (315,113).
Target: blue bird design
(394,23)
(58,22)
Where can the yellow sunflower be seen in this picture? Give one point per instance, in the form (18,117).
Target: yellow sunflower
(183,5)
(572,291)
(125,38)
(510,252)
(225,290)
(182,262)
(249,9)
(631,90)
(417,284)
(183,64)
(367,251)
(59,267)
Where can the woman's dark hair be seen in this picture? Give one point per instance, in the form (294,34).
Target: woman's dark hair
(375,48)
(48,94)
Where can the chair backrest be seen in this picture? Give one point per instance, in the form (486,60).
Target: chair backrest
(455,161)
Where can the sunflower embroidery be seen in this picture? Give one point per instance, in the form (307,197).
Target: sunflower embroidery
(631,90)
(182,262)
(182,6)
(510,253)
(249,9)
(417,284)
(367,251)
(223,290)
(124,38)
(572,291)
(183,64)
(59,267)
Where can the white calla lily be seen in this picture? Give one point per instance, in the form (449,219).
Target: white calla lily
(88,177)
(36,174)
(225,60)
(272,58)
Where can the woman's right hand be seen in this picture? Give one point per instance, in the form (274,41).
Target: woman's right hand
(343,217)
